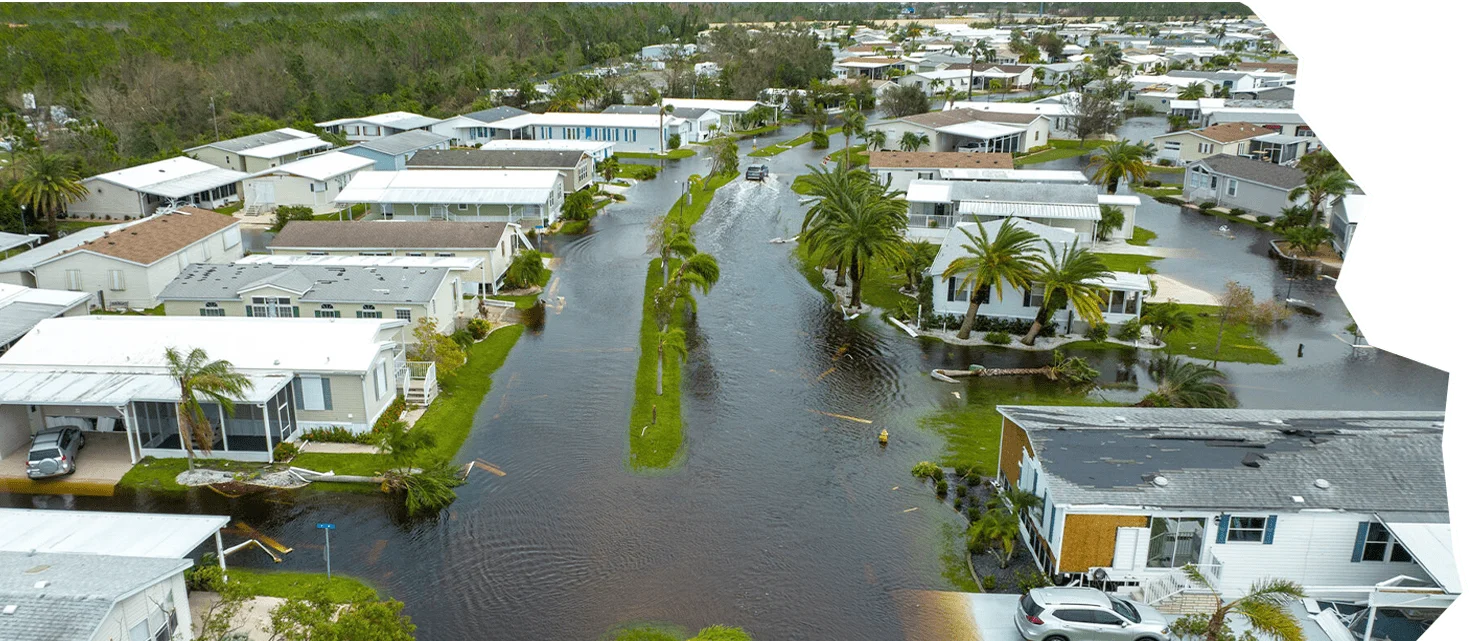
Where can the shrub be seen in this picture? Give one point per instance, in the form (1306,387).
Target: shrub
(990,583)
(1264,218)
(1098,333)
(1207,204)
(391,414)
(1164,162)
(478,328)
(973,514)
(941,489)
(1151,182)
(672,143)
(284,452)
(339,434)
(289,213)
(973,479)
(821,140)
(1016,326)
(1129,330)
(927,470)
(957,504)
(1237,211)
(998,338)
(205,577)
(1030,579)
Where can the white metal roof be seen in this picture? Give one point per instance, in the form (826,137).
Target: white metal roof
(10,241)
(981,130)
(1433,546)
(395,119)
(28,260)
(1038,108)
(724,106)
(279,149)
(1013,175)
(172,178)
(453,263)
(925,191)
(44,385)
(585,119)
(115,343)
(164,536)
(320,167)
(453,186)
(1057,211)
(1119,200)
(591,146)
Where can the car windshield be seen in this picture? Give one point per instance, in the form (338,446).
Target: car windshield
(41,455)
(1029,607)
(1124,609)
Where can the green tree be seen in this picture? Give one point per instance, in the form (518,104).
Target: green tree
(724,156)
(1307,240)
(698,272)
(288,213)
(904,100)
(852,123)
(526,269)
(875,139)
(912,141)
(997,532)
(1111,219)
(47,183)
(198,376)
(578,205)
(1166,318)
(1009,257)
(865,226)
(1320,189)
(1119,160)
(1071,277)
(318,619)
(672,339)
(672,239)
(608,168)
(1193,91)
(916,256)
(434,347)
(1265,607)
(1183,383)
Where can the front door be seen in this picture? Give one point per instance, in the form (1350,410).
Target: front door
(1175,542)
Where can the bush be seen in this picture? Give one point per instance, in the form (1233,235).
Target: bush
(941,489)
(642,172)
(672,143)
(1163,162)
(1098,333)
(289,213)
(391,414)
(205,577)
(285,451)
(821,140)
(1237,211)
(973,514)
(1207,204)
(1151,182)
(990,583)
(1030,579)
(340,434)
(973,479)
(463,338)
(998,338)
(1129,330)
(1264,218)
(478,328)
(957,504)
(927,470)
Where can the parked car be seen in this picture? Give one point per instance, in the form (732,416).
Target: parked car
(54,452)
(973,147)
(757,172)
(1086,614)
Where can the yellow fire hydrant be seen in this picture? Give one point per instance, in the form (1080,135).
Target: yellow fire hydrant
(885,437)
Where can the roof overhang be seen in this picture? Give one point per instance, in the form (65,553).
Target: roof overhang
(1432,545)
(167,536)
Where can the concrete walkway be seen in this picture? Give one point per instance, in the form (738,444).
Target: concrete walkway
(338,448)
(251,621)
(1170,289)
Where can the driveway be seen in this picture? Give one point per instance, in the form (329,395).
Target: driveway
(100,465)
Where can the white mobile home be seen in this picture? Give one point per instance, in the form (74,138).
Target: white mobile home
(575,167)
(495,244)
(140,191)
(477,127)
(258,152)
(937,205)
(311,182)
(598,151)
(458,194)
(628,132)
(377,126)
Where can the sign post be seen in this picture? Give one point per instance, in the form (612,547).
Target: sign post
(327,546)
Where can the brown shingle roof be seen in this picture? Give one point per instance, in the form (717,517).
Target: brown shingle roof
(156,238)
(958,116)
(1273,67)
(1232,131)
(309,234)
(871,59)
(940,160)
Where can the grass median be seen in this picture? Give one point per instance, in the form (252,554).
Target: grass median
(1241,343)
(301,585)
(656,445)
(1059,149)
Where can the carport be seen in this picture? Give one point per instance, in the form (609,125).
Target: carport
(163,536)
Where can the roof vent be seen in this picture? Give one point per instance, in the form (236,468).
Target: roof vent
(1323,484)
(1252,459)
(1119,419)
(1297,498)
(9,609)
(42,584)
(1277,421)
(1160,481)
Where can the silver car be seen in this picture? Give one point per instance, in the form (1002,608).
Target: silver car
(54,452)
(1086,614)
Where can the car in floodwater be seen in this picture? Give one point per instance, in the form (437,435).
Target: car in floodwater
(757,172)
(54,452)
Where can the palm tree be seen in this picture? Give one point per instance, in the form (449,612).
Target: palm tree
(724,156)
(998,532)
(916,255)
(1070,277)
(1307,240)
(47,183)
(996,86)
(1010,256)
(673,339)
(911,141)
(1182,383)
(1118,160)
(875,139)
(865,226)
(664,109)
(1264,608)
(673,239)
(949,97)
(198,376)
(1111,219)
(608,168)
(852,123)
(698,271)
(1318,191)
(1168,317)
(579,205)
(1193,91)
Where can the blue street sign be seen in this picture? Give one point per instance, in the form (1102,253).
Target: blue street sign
(326,526)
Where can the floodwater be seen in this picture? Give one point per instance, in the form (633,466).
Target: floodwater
(782,518)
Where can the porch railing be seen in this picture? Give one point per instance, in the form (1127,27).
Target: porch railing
(420,386)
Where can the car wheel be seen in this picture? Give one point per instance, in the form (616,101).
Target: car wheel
(1055,638)
(81,442)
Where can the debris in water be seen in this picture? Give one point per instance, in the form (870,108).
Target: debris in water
(842,416)
(885,436)
(910,510)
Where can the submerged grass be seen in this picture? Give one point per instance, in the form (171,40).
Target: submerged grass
(881,286)
(1142,237)
(301,585)
(656,445)
(1060,148)
(1241,344)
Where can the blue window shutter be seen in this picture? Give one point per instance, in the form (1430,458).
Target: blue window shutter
(1223,520)
(951,289)
(327,394)
(1361,541)
(297,391)
(249,311)
(1268,525)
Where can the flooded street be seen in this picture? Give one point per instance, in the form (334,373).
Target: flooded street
(782,518)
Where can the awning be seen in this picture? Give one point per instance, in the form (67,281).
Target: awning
(168,536)
(1059,211)
(31,386)
(1433,547)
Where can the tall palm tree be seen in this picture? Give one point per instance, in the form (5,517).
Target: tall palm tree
(1010,256)
(724,156)
(526,269)
(911,141)
(831,188)
(672,238)
(1193,91)
(1118,160)
(867,226)
(1166,318)
(673,339)
(1071,277)
(875,139)
(916,256)
(662,111)
(198,376)
(1264,608)
(852,123)
(1319,190)
(47,183)
(699,272)
(949,96)
(1182,383)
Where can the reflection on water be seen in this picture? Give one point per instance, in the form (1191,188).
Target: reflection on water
(784,519)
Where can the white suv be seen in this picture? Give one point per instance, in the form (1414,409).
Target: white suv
(1086,614)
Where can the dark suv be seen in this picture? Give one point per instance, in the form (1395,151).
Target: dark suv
(54,452)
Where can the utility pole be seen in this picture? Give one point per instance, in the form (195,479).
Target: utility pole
(213,120)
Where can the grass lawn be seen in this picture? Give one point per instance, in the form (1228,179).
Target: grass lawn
(1060,148)
(674,154)
(778,148)
(526,301)
(633,171)
(1142,237)
(70,225)
(1130,263)
(355,212)
(740,135)
(971,431)
(158,473)
(300,585)
(881,286)
(856,154)
(1158,169)
(1241,344)
(1158,193)
(656,446)
(152,311)
(231,209)
(700,200)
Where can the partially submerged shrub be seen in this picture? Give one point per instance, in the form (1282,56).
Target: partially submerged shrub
(1098,333)
(941,489)
(927,470)
(998,338)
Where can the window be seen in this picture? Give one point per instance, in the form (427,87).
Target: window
(414,253)
(74,280)
(402,314)
(1175,542)
(327,313)
(1246,529)
(445,254)
(271,307)
(313,392)
(1075,616)
(317,253)
(1126,610)
(462,207)
(1378,544)
(1172,145)
(317,186)
(1034,296)
(212,309)
(1206,147)
(955,293)
(115,280)
(1233,187)
(368,311)
(381,380)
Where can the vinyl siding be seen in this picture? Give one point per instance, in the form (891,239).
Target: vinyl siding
(142,284)
(490,257)
(144,605)
(349,406)
(1312,548)
(106,200)
(219,158)
(296,191)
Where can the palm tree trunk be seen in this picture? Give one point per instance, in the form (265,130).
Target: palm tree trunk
(1111,188)
(972,314)
(186,438)
(855,283)
(1045,313)
(51,225)
(839,275)
(1215,624)
(659,365)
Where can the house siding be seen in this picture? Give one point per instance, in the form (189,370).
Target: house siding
(145,606)
(296,191)
(1089,540)
(142,284)
(351,408)
(1252,197)
(106,200)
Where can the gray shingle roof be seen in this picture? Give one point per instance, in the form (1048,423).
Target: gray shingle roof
(496,158)
(1258,171)
(316,283)
(331,234)
(689,113)
(403,143)
(495,114)
(80,591)
(252,141)
(1226,459)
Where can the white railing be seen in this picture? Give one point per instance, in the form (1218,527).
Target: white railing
(1164,587)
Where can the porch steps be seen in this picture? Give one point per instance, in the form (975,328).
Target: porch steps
(1192,601)
(255,210)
